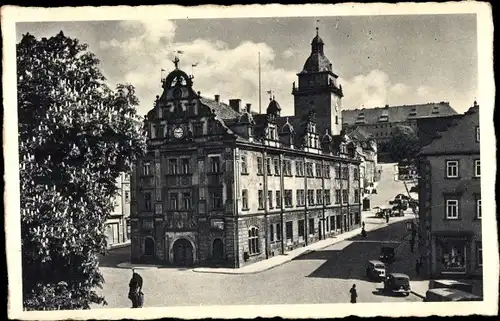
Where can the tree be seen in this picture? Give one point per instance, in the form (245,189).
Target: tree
(404,144)
(76,136)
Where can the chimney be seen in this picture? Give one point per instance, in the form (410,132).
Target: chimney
(217,98)
(235,104)
(386,106)
(199,93)
(248,107)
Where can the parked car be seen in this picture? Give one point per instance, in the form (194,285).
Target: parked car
(451,284)
(375,270)
(449,295)
(387,254)
(397,283)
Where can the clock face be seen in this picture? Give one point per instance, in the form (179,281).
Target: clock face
(178,132)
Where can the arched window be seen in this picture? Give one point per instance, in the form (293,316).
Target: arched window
(253,240)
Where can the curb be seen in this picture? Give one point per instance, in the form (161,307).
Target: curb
(299,255)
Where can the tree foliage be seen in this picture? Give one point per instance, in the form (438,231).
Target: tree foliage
(76,136)
(404,144)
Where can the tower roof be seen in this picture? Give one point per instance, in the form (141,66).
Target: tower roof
(317,61)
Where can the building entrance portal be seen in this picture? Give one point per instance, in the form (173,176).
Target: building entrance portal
(149,247)
(218,250)
(183,253)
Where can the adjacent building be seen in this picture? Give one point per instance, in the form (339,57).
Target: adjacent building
(381,122)
(366,149)
(450,199)
(223,185)
(117,225)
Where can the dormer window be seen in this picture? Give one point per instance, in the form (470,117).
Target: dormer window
(413,112)
(383,118)
(435,110)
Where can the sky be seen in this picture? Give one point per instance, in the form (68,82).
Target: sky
(392,59)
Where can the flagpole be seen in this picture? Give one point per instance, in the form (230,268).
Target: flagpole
(260,103)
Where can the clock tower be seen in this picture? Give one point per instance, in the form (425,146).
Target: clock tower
(318,88)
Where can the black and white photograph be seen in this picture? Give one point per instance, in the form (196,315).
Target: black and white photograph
(246,161)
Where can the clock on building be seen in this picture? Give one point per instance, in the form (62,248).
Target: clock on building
(178,132)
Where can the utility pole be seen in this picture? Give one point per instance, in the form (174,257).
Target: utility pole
(260,102)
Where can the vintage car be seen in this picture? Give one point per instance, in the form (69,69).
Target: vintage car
(375,270)
(451,284)
(397,283)
(449,295)
(387,254)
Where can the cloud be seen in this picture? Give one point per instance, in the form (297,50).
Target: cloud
(231,72)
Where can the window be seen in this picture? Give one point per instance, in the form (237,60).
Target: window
(198,129)
(337,171)
(276,162)
(302,228)
(186,201)
(215,164)
(299,168)
(345,173)
(332,223)
(298,197)
(147,224)
(319,196)
(244,199)
(451,209)
(279,232)
(244,165)
(127,197)
(270,199)
(260,166)
(477,168)
(328,199)
(311,226)
(477,134)
(345,197)
(253,240)
(478,208)
(146,169)
(479,253)
(268,166)
(310,197)
(271,232)
(326,171)
(287,168)
(147,201)
(451,169)
(261,199)
(278,199)
(173,201)
(289,231)
(337,196)
(356,196)
(318,170)
(356,174)
(216,200)
(153,131)
(185,166)
(288,198)
(309,169)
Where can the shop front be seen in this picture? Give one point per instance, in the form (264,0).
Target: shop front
(452,251)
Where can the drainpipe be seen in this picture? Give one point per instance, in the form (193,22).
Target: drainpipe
(266,205)
(306,199)
(323,197)
(282,192)
(342,220)
(236,193)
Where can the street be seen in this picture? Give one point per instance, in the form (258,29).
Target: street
(323,276)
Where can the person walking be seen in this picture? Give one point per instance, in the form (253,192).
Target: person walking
(363,231)
(354,293)
(135,290)
(417,267)
(387,218)
(412,244)
(363,224)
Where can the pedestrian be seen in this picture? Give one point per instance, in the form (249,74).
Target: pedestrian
(354,293)
(412,243)
(363,232)
(135,290)
(417,267)
(387,218)
(363,224)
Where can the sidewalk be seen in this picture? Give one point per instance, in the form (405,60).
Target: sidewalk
(371,224)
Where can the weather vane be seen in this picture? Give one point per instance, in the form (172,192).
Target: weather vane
(270,93)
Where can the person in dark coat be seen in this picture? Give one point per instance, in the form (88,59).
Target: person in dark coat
(135,290)
(417,267)
(354,293)
(386,217)
(363,225)
(363,231)
(412,244)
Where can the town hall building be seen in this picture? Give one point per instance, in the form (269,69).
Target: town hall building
(223,185)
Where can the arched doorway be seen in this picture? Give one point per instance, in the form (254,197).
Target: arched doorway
(183,252)
(217,250)
(149,247)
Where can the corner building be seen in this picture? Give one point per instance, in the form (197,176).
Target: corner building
(221,185)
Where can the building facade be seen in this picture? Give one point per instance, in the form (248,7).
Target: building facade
(450,200)
(223,185)
(366,148)
(381,122)
(117,225)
